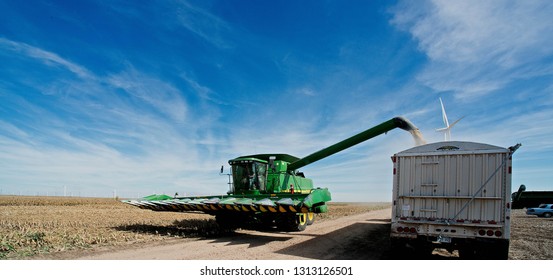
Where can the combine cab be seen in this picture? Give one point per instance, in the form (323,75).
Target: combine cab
(267,190)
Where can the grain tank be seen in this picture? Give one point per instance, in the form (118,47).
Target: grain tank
(453,195)
(268,189)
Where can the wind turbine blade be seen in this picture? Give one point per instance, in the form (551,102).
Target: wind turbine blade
(455,122)
(444,116)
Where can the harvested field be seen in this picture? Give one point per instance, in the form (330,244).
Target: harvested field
(44,227)
(39,225)
(531,237)
(31,226)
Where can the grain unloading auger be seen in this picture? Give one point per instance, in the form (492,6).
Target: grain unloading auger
(268,189)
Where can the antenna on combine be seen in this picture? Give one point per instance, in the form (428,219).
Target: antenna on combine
(447,128)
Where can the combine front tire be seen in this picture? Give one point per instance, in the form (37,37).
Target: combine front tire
(310,218)
(301,222)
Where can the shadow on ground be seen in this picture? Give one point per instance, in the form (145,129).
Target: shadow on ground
(368,240)
(206,229)
(191,228)
(239,238)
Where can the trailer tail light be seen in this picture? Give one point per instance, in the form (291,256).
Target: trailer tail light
(490,232)
(406,230)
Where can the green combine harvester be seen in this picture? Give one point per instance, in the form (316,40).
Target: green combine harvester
(268,190)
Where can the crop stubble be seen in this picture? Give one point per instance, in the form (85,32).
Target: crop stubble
(32,226)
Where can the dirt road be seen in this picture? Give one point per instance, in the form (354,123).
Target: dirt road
(364,236)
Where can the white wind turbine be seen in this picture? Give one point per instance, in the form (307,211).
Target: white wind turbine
(447,128)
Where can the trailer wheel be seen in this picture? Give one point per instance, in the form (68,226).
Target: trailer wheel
(501,250)
(398,249)
(498,250)
(467,252)
(423,250)
(310,218)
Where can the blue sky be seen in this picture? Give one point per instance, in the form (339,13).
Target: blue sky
(137,97)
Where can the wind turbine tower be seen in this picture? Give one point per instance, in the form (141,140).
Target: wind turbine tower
(447,128)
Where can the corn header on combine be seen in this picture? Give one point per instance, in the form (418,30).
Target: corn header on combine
(268,190)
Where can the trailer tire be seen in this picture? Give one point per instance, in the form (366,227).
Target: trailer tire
(501,250)
(467,252)
(423,250)
(398,249)
(498,250)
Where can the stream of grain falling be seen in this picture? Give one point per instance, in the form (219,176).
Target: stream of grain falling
(417,136)
(409,126)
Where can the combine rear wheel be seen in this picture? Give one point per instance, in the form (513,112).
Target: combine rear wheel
(292,222)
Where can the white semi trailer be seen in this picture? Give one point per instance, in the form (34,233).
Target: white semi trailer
(453,195)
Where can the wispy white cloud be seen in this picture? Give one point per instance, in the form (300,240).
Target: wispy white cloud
(161,95)
(203,91)
(477,47)
(307,91)
(204,24)
(12,130)
(44,56)
(125,130)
